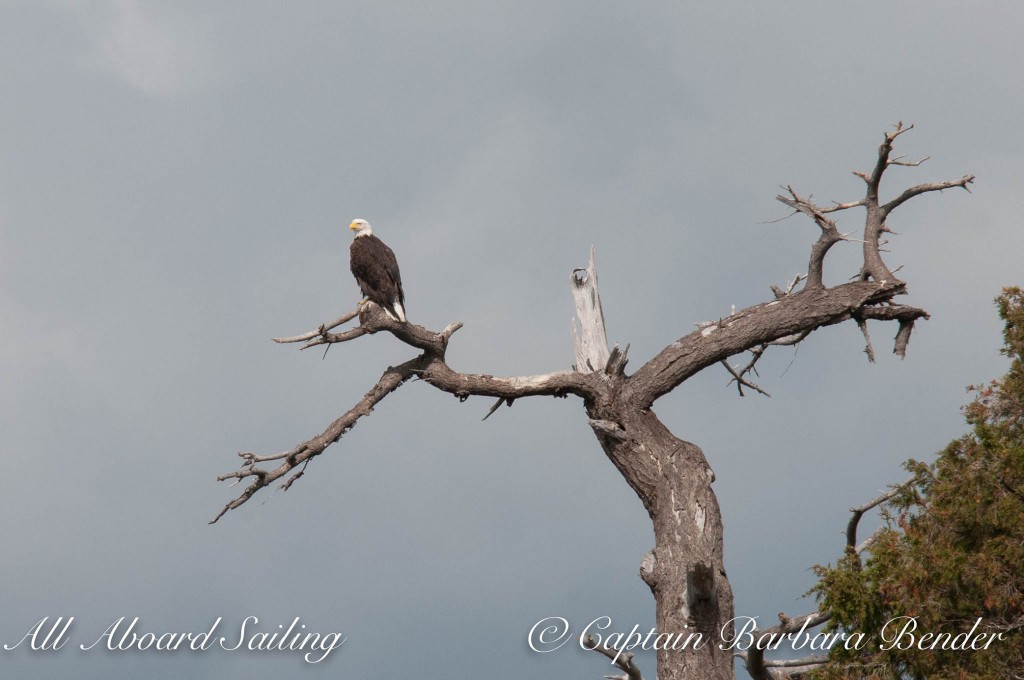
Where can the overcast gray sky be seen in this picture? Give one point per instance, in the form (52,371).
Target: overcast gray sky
(175,183)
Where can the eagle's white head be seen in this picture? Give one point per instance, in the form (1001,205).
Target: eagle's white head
(361,227)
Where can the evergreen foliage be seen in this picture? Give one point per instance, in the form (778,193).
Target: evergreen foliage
(952,551)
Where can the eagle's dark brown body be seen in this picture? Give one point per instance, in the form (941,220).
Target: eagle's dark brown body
(376,271)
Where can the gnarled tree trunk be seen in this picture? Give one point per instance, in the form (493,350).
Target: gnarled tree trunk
(685,570)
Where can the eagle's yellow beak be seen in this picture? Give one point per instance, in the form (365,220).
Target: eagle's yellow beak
(353,226)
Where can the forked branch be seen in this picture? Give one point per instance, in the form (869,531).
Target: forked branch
(829,235)
(344,318)
(430,366)
(794,315)
(857,512)
(875,226)
(620,659)
(307,450)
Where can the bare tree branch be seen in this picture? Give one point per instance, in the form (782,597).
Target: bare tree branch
(344,318)
(794,315)
(622,660)
(869,541)
(873,266)
(924,188)
(388,383)
(757,666)
(430,366)
(858,511)
(501,400)
(790,317)
(792,663)
(829,235)
(741,382)
(326,338)
(465,385)
(868,349)
(843,206)
(592,341)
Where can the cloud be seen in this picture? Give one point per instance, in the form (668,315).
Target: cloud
(31,346)
(157,54)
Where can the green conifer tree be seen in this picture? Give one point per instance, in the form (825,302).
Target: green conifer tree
(952,551)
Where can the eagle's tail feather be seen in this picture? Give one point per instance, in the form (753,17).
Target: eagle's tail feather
(399,310)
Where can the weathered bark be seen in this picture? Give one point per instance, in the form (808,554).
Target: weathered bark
(591,342)
(685,570)
(672,478)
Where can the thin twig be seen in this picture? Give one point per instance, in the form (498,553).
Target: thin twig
(344,318)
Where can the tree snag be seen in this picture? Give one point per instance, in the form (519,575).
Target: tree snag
(672,477)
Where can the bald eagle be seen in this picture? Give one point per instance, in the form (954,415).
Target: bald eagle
(376,270)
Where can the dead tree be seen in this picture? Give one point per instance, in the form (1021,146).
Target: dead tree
(671,476)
